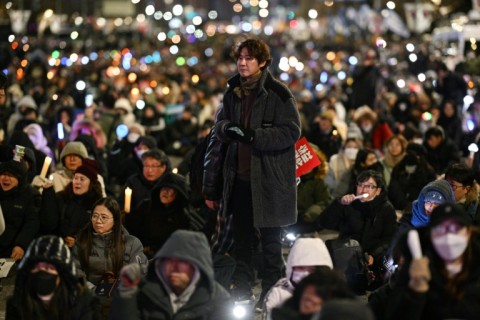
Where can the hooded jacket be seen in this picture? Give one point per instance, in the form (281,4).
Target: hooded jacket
(209,301)
(305,252)
(20,207)
(417,217)
(155,222)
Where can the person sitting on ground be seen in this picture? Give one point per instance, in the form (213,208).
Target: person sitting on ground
(167,210)
(312,293)
(67,212)
(47,285)
(20,204)
(444,282)
(179,284)
(71,157)
(155,164)
(305,256)
(366,216)
(466,190)
(103,247)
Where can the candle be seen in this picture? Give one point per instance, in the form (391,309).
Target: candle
(46,165)
(128,199)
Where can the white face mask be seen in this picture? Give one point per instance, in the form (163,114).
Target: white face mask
(297,276)
(139,153)
(367,127)
(351,153)
(450,246)
(410,169)
(133,137)
(417,140)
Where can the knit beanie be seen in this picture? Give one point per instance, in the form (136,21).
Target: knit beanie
(89,169)
(27,101)
(123,103)
(76,148)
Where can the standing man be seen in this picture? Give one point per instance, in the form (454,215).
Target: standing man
(253,146)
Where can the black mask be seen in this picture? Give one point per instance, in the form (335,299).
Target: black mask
(44,283)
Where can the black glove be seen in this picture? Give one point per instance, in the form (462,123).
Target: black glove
(236,132)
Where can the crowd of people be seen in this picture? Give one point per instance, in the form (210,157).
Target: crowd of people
(211,170)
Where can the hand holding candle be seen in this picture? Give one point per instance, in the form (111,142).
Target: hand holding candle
(414,244)
(128,199)
(46,166)
(361,196)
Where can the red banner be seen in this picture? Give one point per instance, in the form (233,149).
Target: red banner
(305,157)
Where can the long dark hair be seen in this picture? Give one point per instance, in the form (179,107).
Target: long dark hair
(85,238)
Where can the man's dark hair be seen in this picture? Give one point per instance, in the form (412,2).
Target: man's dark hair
(375,175)
(435,131)
(461,173)
(159,155)
(256,48)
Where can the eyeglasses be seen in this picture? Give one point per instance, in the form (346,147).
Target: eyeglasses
(152,167)
(366,186)
(455,187)
(445,228)
(100,217)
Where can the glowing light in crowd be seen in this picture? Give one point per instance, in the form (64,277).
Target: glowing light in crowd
(381,43)
(421,77)
(391,5)
(80,85)
(212,15)
(174,49)
(353,60)
(177,10)
(140,104)
(312,14)
(197,20)
(410,47)
(426,116)
(401,83)
(149,10)
(412,57)
(195,78)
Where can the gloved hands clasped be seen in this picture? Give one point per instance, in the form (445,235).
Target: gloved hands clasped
(239,133)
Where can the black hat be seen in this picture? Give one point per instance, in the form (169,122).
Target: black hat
(448,211)
(17,168)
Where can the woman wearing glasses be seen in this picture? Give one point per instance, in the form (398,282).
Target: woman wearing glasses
(103,246)
(366,216)
(445,282)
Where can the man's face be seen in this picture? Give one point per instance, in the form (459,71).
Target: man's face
(8,181)
(248,65)
(434,141)
(178,273)
(167,195)
(72,162)
(153,169)
(459,190)
(368,187)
